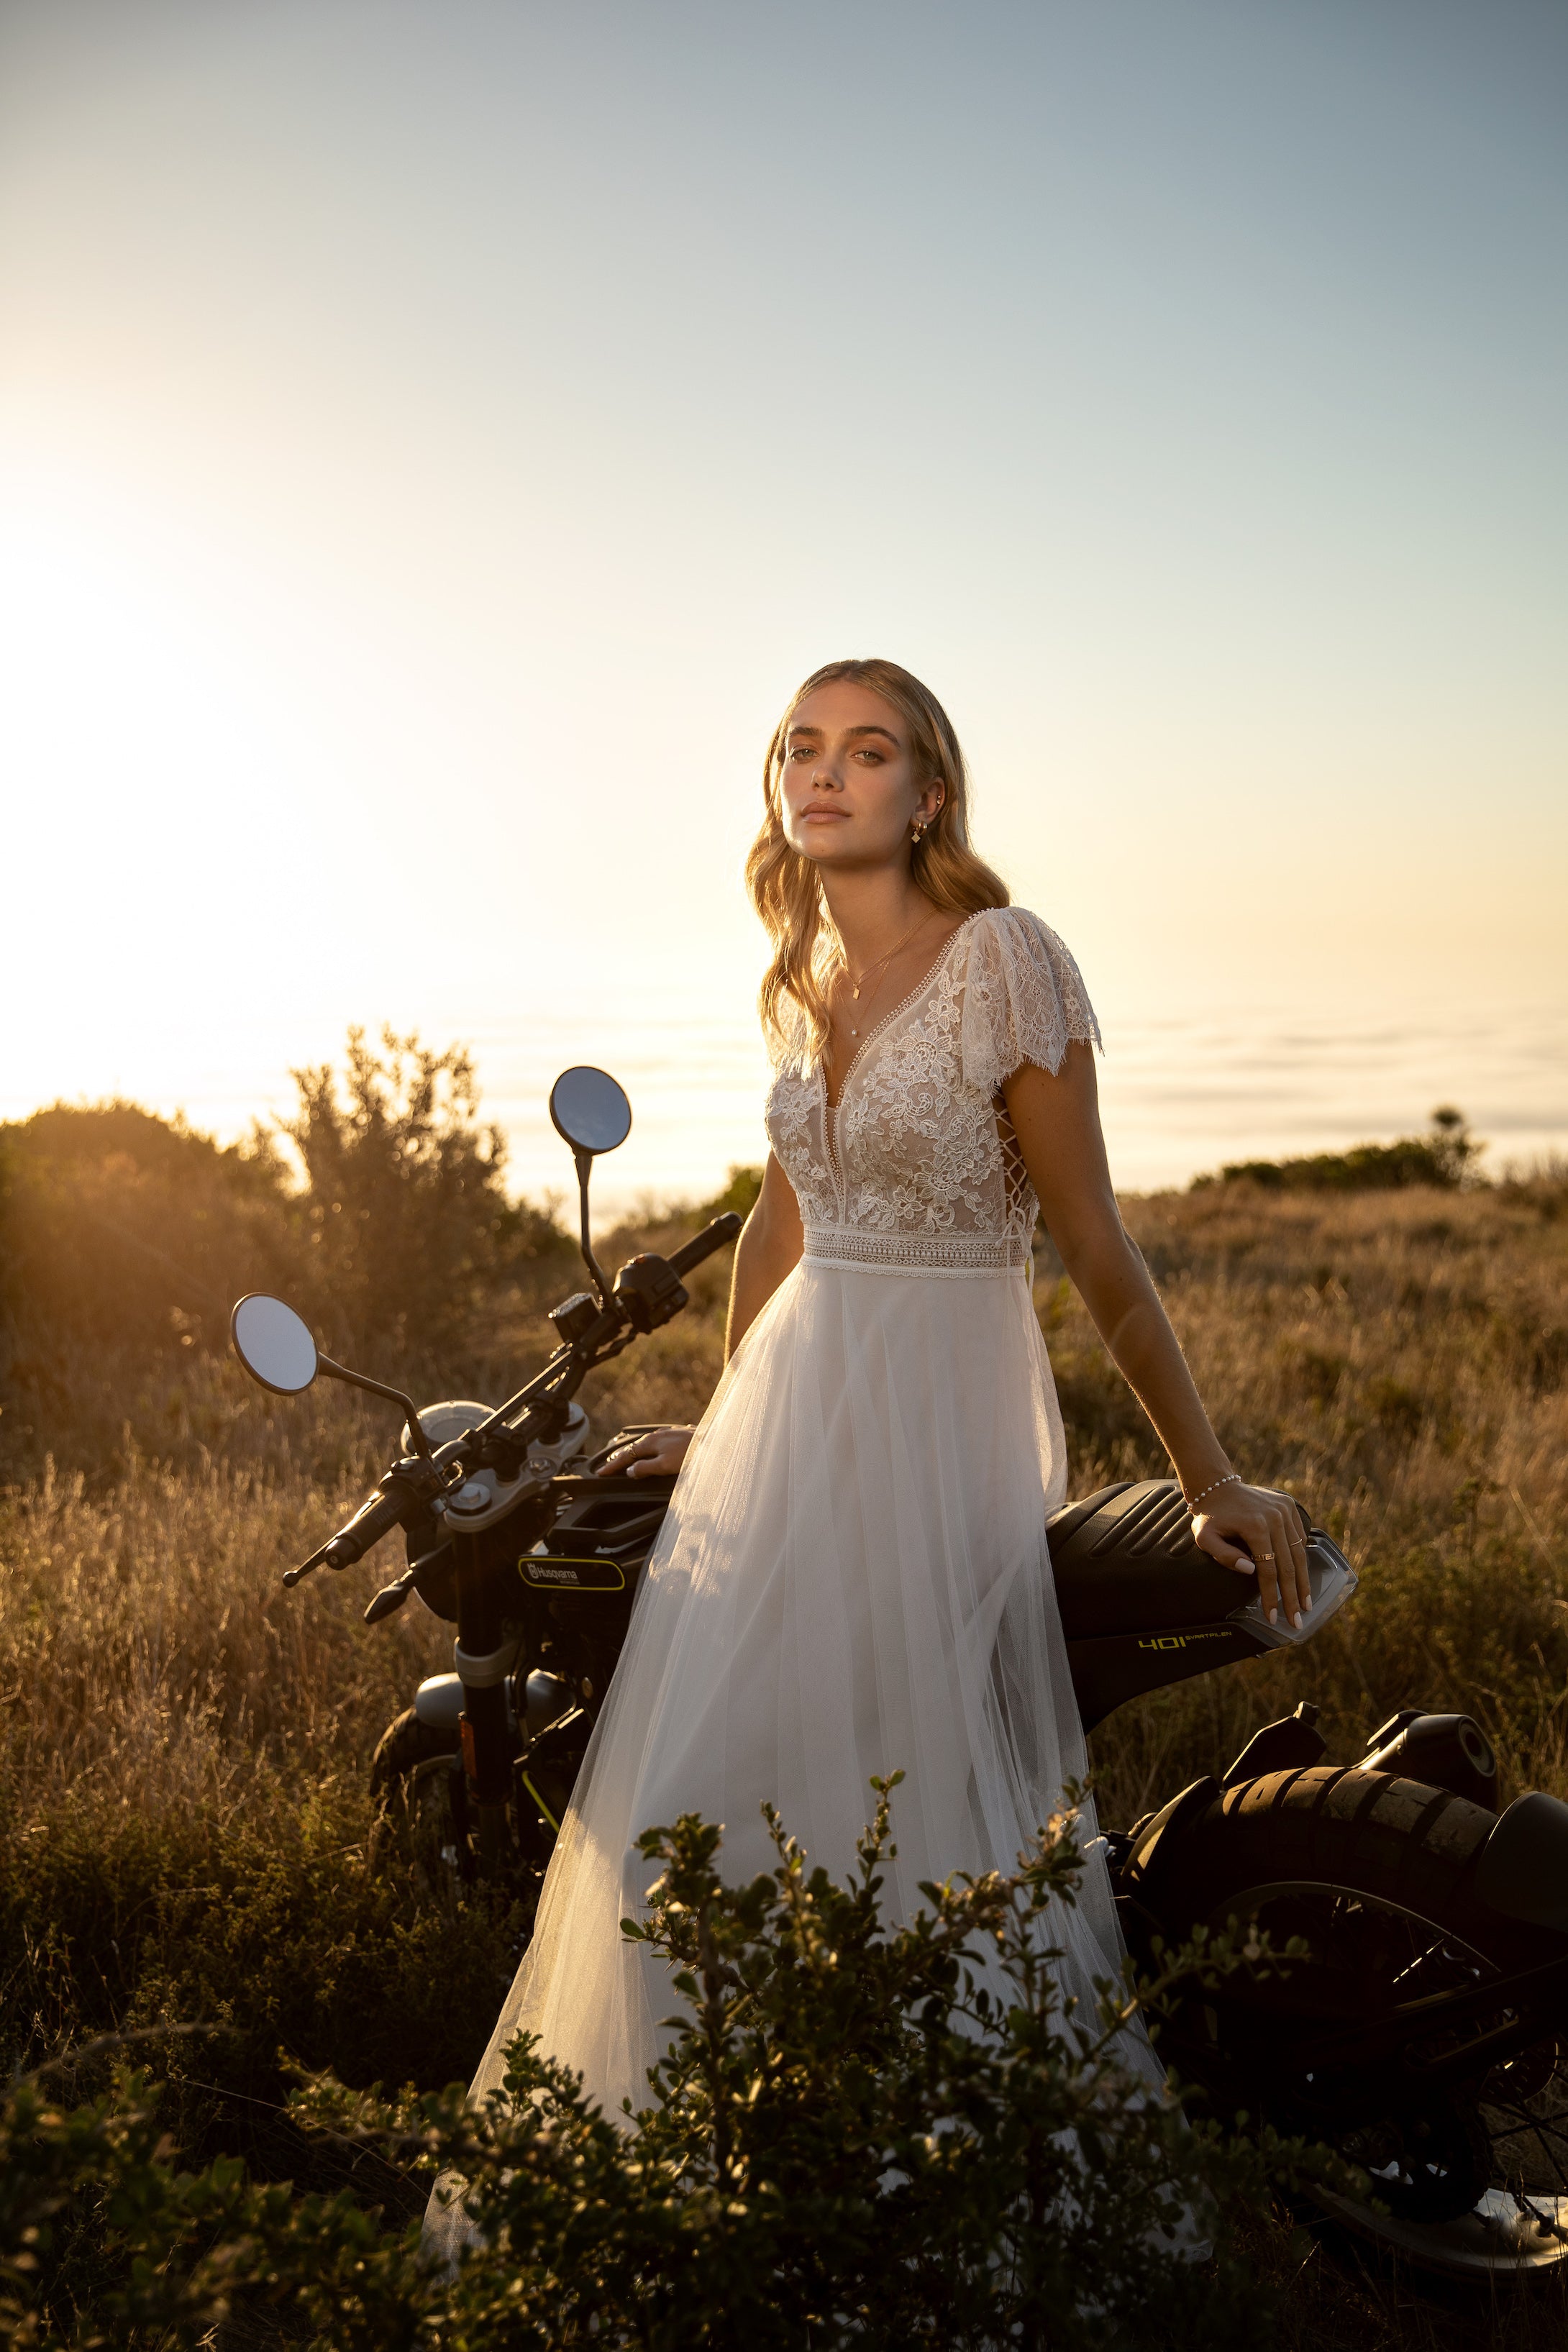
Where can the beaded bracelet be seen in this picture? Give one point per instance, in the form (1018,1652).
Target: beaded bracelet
(1231,1478)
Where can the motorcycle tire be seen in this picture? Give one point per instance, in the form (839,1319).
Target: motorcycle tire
(413,1827)
(1376,1875)
(415,1779)
(406,1742)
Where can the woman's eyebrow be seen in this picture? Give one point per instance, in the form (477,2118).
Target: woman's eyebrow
(850,733)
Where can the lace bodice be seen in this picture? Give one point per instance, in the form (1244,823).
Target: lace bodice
(917,1167)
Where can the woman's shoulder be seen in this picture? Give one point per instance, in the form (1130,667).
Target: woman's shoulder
(1009,932)
(1024,997)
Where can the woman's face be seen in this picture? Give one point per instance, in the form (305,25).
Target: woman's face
(849,789)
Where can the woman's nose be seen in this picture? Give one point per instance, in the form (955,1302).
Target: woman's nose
(822,782)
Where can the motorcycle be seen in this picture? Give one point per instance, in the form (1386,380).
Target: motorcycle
(1423,2032)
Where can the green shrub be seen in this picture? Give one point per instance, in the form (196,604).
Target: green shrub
(410,1228)
(848,2144)
(126,1238)
(1445,1158)
(741,1187)
(108,2245)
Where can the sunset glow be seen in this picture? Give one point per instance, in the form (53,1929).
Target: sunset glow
(433,443)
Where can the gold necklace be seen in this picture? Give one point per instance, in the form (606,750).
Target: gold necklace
(857,986)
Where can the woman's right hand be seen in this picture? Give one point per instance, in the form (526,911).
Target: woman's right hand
(659,1454)
(1258,1527)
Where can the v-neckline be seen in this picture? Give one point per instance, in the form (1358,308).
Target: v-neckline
(869,1039)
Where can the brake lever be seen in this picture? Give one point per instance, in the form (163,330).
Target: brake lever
(391,1596)
(293,1576)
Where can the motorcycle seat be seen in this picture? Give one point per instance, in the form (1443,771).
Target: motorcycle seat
(1124,1562)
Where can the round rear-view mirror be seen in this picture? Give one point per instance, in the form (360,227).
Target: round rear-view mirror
(274,1344)
(590,1109)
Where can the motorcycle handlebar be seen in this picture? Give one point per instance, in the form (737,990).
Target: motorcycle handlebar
(703,1244)
(369,1524)
(375,1517)
(399,1492)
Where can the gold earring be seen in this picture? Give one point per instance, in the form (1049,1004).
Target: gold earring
(918,830)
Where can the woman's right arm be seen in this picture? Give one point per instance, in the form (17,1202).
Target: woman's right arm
(769,1248)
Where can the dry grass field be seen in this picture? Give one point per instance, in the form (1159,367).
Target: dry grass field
(184,1745)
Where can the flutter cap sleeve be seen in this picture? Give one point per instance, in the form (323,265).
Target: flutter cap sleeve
(1024,998)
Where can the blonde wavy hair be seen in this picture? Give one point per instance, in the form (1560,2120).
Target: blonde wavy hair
(787,892)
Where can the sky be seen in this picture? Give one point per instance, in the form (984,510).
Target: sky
(436,436)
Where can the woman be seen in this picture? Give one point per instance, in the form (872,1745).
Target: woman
(853,1577)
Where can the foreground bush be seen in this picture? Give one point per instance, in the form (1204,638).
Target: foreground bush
(848,2144)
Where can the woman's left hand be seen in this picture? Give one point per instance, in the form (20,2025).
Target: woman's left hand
(659,1454)
(1248,1528)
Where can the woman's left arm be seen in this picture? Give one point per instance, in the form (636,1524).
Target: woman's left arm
(1057,1121)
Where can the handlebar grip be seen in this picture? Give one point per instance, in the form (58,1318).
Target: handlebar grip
(703,1244)
(369,1524)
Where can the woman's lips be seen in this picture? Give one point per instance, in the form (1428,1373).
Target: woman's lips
(817,815)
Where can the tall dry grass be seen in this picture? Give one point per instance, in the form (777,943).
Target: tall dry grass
(184,1745)
(182,1805)
(1399,1360)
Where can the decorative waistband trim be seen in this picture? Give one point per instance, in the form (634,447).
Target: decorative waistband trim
(858,1250)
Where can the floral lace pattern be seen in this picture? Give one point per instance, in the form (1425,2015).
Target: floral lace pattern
(912,1169)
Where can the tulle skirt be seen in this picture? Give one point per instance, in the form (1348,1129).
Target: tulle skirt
(853,1578)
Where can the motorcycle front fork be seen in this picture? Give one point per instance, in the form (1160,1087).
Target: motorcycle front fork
(484,1667)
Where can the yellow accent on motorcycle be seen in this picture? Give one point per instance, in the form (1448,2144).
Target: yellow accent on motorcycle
(567,1572)
(1180,1640)
(539,1801)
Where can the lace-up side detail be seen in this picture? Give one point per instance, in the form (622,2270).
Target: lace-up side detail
(921,1170)
(1014,1175)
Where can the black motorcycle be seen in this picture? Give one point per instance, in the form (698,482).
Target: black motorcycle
(1424,2035)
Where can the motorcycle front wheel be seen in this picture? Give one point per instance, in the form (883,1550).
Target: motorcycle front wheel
(421,1825)
(418,1825)
(1374,1875)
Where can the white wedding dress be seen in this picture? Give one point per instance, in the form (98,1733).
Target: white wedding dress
(853,1577)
